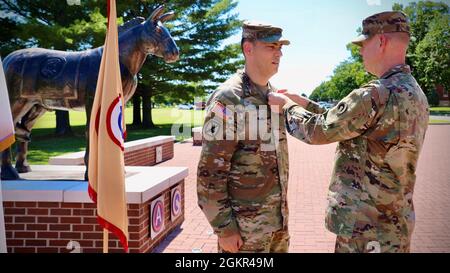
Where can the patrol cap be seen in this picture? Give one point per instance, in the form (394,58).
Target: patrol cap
(263,32)
(384,22)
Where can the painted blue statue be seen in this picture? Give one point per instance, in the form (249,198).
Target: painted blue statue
(39,79)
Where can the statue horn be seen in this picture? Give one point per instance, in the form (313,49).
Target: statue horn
(156,13)
(166,17)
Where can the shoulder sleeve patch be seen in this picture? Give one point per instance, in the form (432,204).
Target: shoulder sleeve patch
(219,110)
(342,108)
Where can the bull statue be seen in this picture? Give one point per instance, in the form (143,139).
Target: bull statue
(39,79)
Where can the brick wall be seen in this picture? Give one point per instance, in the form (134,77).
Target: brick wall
(48,227)
(147,156)
(444,97)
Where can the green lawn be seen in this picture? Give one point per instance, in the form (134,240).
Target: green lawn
(440,109)
(437,121)
(45,144)
(161,116)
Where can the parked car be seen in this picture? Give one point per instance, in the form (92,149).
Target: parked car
(326,105)
(185,106)
(200,105)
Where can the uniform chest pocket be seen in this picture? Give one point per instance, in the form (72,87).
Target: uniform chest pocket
(264,128)
(386,130)
(253,173)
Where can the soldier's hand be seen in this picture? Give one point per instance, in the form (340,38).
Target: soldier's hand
(302,101)
(231,243)
(290,95)
(277,101)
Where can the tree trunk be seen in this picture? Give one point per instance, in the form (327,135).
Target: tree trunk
(137,121)
(63,123)
(147,121)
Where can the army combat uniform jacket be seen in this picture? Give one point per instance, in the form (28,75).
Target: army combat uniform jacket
(242,180)
(380,129)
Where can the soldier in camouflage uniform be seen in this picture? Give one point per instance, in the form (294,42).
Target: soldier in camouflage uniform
(380,129)
(242,174)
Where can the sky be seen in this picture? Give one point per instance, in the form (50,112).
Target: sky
(319,31)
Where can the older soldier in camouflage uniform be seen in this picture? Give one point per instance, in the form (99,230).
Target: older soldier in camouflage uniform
(380,129)
(242,175)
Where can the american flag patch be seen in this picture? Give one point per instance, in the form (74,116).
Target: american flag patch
(220,110)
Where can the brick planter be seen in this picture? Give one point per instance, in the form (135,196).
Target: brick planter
(58,216)
(141,152)
(197,136)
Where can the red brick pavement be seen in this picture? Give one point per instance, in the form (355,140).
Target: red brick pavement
(310,172)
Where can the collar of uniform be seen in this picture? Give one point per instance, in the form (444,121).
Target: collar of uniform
(259,89)
(401,68)
(254,89)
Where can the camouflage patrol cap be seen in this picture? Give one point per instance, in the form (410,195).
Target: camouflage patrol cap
(385,22)
(263,32)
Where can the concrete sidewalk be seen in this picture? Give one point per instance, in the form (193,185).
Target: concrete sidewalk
(447,118)
(310,170)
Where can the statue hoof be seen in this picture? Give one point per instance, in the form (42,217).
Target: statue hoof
(23,168)
(9,173)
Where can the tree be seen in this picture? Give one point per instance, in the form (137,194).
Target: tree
(428,52)
(349,75)
(432,56)
(137,120)
(420,15)
(320,93)
(433,97)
